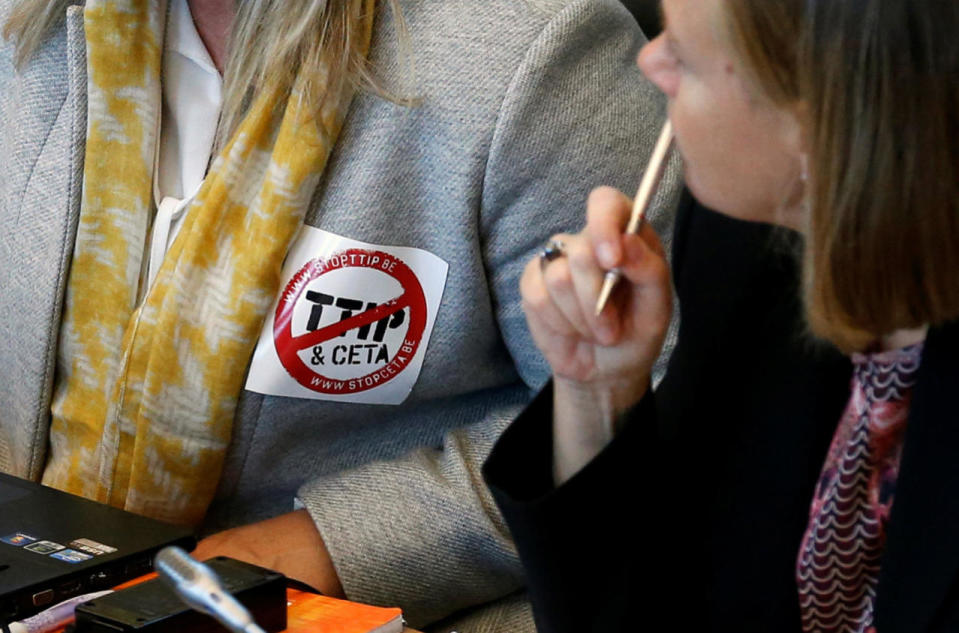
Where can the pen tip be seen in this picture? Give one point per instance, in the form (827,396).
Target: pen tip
(608,283)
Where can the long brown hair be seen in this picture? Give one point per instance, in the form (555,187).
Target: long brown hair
(271,42)
(881,80)
(879,83)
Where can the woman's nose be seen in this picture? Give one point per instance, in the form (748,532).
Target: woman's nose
(654,62)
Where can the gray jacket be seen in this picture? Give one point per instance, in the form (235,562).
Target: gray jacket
(525,106)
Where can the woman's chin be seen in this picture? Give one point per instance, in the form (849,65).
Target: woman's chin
(707,196)
(728,203)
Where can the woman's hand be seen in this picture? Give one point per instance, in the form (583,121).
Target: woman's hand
(601,364)
(289,543)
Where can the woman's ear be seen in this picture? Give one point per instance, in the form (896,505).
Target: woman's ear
(796,142)
(803,138)
(800,113)
(796,136)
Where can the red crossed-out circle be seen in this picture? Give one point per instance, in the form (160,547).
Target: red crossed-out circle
(288,346)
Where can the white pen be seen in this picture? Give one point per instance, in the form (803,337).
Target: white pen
(647,187)
(56,617)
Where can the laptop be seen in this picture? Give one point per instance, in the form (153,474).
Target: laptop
(55,545)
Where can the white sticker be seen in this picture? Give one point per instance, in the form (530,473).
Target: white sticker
(91,547)
(351,323)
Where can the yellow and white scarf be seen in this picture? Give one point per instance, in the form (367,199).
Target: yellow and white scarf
(145,394)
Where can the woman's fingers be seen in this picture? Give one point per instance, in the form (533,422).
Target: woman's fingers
(587,281)
(536,300)
(640,258)
(559,298)
(607,215)
(562,292)
(561,281)
(643,263)
(651,237)
(647,272)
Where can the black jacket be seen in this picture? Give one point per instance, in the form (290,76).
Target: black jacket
(691,519)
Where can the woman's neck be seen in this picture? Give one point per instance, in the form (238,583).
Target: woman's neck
(213,19)
(903,338)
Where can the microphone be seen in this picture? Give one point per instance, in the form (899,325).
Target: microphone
(199,587)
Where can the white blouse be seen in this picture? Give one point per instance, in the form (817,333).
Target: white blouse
(192,99)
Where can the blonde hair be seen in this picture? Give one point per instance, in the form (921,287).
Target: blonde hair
(272,41)
(877,81)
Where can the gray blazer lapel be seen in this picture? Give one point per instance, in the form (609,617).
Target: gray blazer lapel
(42,134)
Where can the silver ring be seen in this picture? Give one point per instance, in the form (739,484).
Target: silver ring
(554,250)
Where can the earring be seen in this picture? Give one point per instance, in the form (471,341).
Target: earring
(804,167)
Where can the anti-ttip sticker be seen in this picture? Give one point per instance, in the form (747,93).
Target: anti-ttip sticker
(379,339)
(351,323)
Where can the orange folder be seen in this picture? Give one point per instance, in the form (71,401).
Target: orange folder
(310,613)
